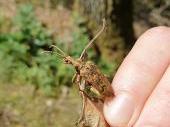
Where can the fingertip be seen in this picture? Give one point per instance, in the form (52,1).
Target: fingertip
(119,111)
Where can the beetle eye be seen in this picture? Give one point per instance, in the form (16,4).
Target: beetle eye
(66,61)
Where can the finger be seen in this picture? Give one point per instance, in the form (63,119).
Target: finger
(137,76)
(156,112)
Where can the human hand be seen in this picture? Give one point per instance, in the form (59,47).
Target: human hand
(142,84)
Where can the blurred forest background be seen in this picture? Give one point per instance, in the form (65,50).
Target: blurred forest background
(36,88)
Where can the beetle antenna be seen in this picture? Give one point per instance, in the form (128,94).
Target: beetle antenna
(95,37)
(58,54)
(61,51)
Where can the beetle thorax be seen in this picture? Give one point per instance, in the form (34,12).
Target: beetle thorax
(77,63)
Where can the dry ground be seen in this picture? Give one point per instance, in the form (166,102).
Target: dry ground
(18,108)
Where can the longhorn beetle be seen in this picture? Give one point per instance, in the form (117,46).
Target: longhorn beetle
(91,82)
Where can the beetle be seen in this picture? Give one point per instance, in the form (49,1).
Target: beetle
(92,83)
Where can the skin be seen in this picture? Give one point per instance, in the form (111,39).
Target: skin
(142,84)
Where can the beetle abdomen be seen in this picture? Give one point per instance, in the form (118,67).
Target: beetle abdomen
(91,74)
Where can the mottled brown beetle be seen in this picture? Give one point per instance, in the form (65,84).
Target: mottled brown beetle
(93,85)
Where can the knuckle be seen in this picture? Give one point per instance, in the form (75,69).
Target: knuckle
(155,37)
(158,30)
(159,33)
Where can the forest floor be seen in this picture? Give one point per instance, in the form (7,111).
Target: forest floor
(19,108)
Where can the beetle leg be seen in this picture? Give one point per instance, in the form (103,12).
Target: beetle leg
(74,78)
(98,122)
(82,86)
(95,92)
(82,115)
(81,89)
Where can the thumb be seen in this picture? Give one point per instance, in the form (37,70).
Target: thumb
(137,77)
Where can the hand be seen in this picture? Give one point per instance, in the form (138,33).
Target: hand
(142,84)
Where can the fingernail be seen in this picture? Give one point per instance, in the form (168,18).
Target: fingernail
(119,111)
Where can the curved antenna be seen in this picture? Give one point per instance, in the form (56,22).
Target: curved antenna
(95,37)
(62,53)
(58,54)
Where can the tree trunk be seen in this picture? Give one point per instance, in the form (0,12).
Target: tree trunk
(118,35)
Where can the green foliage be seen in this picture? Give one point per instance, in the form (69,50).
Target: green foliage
(20,52)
